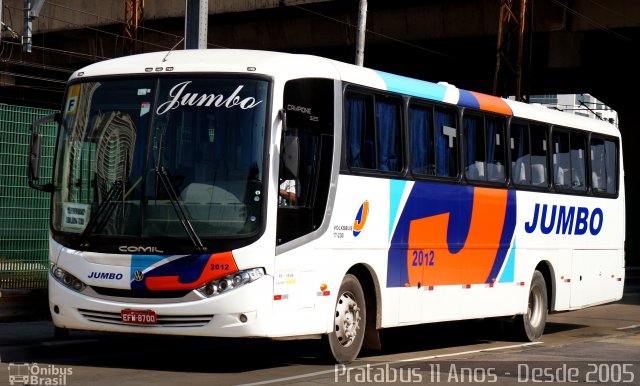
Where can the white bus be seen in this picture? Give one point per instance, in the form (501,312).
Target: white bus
(239,193)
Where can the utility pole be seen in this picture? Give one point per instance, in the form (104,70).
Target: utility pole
(31,11)
(362,30)
(133,14)
(196,18)
(511,30)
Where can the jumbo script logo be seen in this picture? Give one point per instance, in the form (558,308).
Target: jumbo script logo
(181,98)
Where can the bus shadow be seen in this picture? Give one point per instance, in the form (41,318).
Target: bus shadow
(228,356)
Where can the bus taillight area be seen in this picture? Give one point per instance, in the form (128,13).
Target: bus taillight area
(240,310)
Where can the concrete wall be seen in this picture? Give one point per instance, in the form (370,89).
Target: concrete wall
(421,20)
(74,14)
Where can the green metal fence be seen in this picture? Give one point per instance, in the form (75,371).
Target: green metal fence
(24,212)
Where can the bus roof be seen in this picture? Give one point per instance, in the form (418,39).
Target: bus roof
(291,66)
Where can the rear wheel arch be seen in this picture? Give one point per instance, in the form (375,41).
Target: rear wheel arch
(548,273)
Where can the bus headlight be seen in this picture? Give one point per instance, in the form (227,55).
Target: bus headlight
(67,279)
(231,282)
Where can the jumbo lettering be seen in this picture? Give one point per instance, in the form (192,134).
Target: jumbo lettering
(566,220)
(105,275)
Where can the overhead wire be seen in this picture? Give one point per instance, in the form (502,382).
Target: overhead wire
(372,32)
(41,66)
(178,37)
(110,19)
(33,77)
(592,21)
(617,13)
(44,16)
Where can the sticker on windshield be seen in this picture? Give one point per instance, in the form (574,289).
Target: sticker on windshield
(180,97)
(72,99)
(74,216)
(145,108)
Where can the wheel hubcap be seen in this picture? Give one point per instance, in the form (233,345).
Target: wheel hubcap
(347,319)
(535,310)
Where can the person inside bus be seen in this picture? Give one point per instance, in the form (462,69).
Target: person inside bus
(288,195)
(288,189)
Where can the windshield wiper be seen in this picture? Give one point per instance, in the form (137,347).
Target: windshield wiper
(165,178)
(104,211)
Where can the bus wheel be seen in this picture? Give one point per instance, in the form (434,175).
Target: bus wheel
(348,321)
(530,326)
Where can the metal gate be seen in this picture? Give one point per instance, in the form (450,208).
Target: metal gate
(24,212)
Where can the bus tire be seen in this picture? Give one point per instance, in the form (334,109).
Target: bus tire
(349,320)
(530,325)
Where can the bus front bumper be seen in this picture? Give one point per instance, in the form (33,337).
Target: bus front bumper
(242,312)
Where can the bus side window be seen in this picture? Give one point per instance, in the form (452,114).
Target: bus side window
(388,134)
(360,131)
(561,160)
(373,132)
(421,139)
(603,166)
(495,138)
(538,136)
(474,168)
(446,143)
(484,148)
(308,139)
(520,155)
(578,161)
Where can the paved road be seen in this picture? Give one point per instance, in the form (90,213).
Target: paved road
(596,344)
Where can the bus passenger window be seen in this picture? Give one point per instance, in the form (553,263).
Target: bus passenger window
(388,135)
(495,149)
(360,131)
(561,160)
(520,155)
(474,148)
(484,149)
(603,166)
(421,141)
(538,136)
(373,144)
(578,161)
(446,143)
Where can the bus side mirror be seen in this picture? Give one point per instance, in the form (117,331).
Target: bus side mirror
(35,150)
(35,147)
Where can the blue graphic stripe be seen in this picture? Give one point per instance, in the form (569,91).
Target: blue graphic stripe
(396,189)
(507,234)
(508,273)
(414,87)
(468,100)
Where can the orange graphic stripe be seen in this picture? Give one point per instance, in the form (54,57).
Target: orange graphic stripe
(492,103)
(473,263)
(218,265)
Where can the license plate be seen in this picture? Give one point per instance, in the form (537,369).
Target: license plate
(139,316)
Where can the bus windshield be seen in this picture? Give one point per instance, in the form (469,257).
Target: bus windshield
(153,157)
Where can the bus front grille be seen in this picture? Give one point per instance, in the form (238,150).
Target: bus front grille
(162,320)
